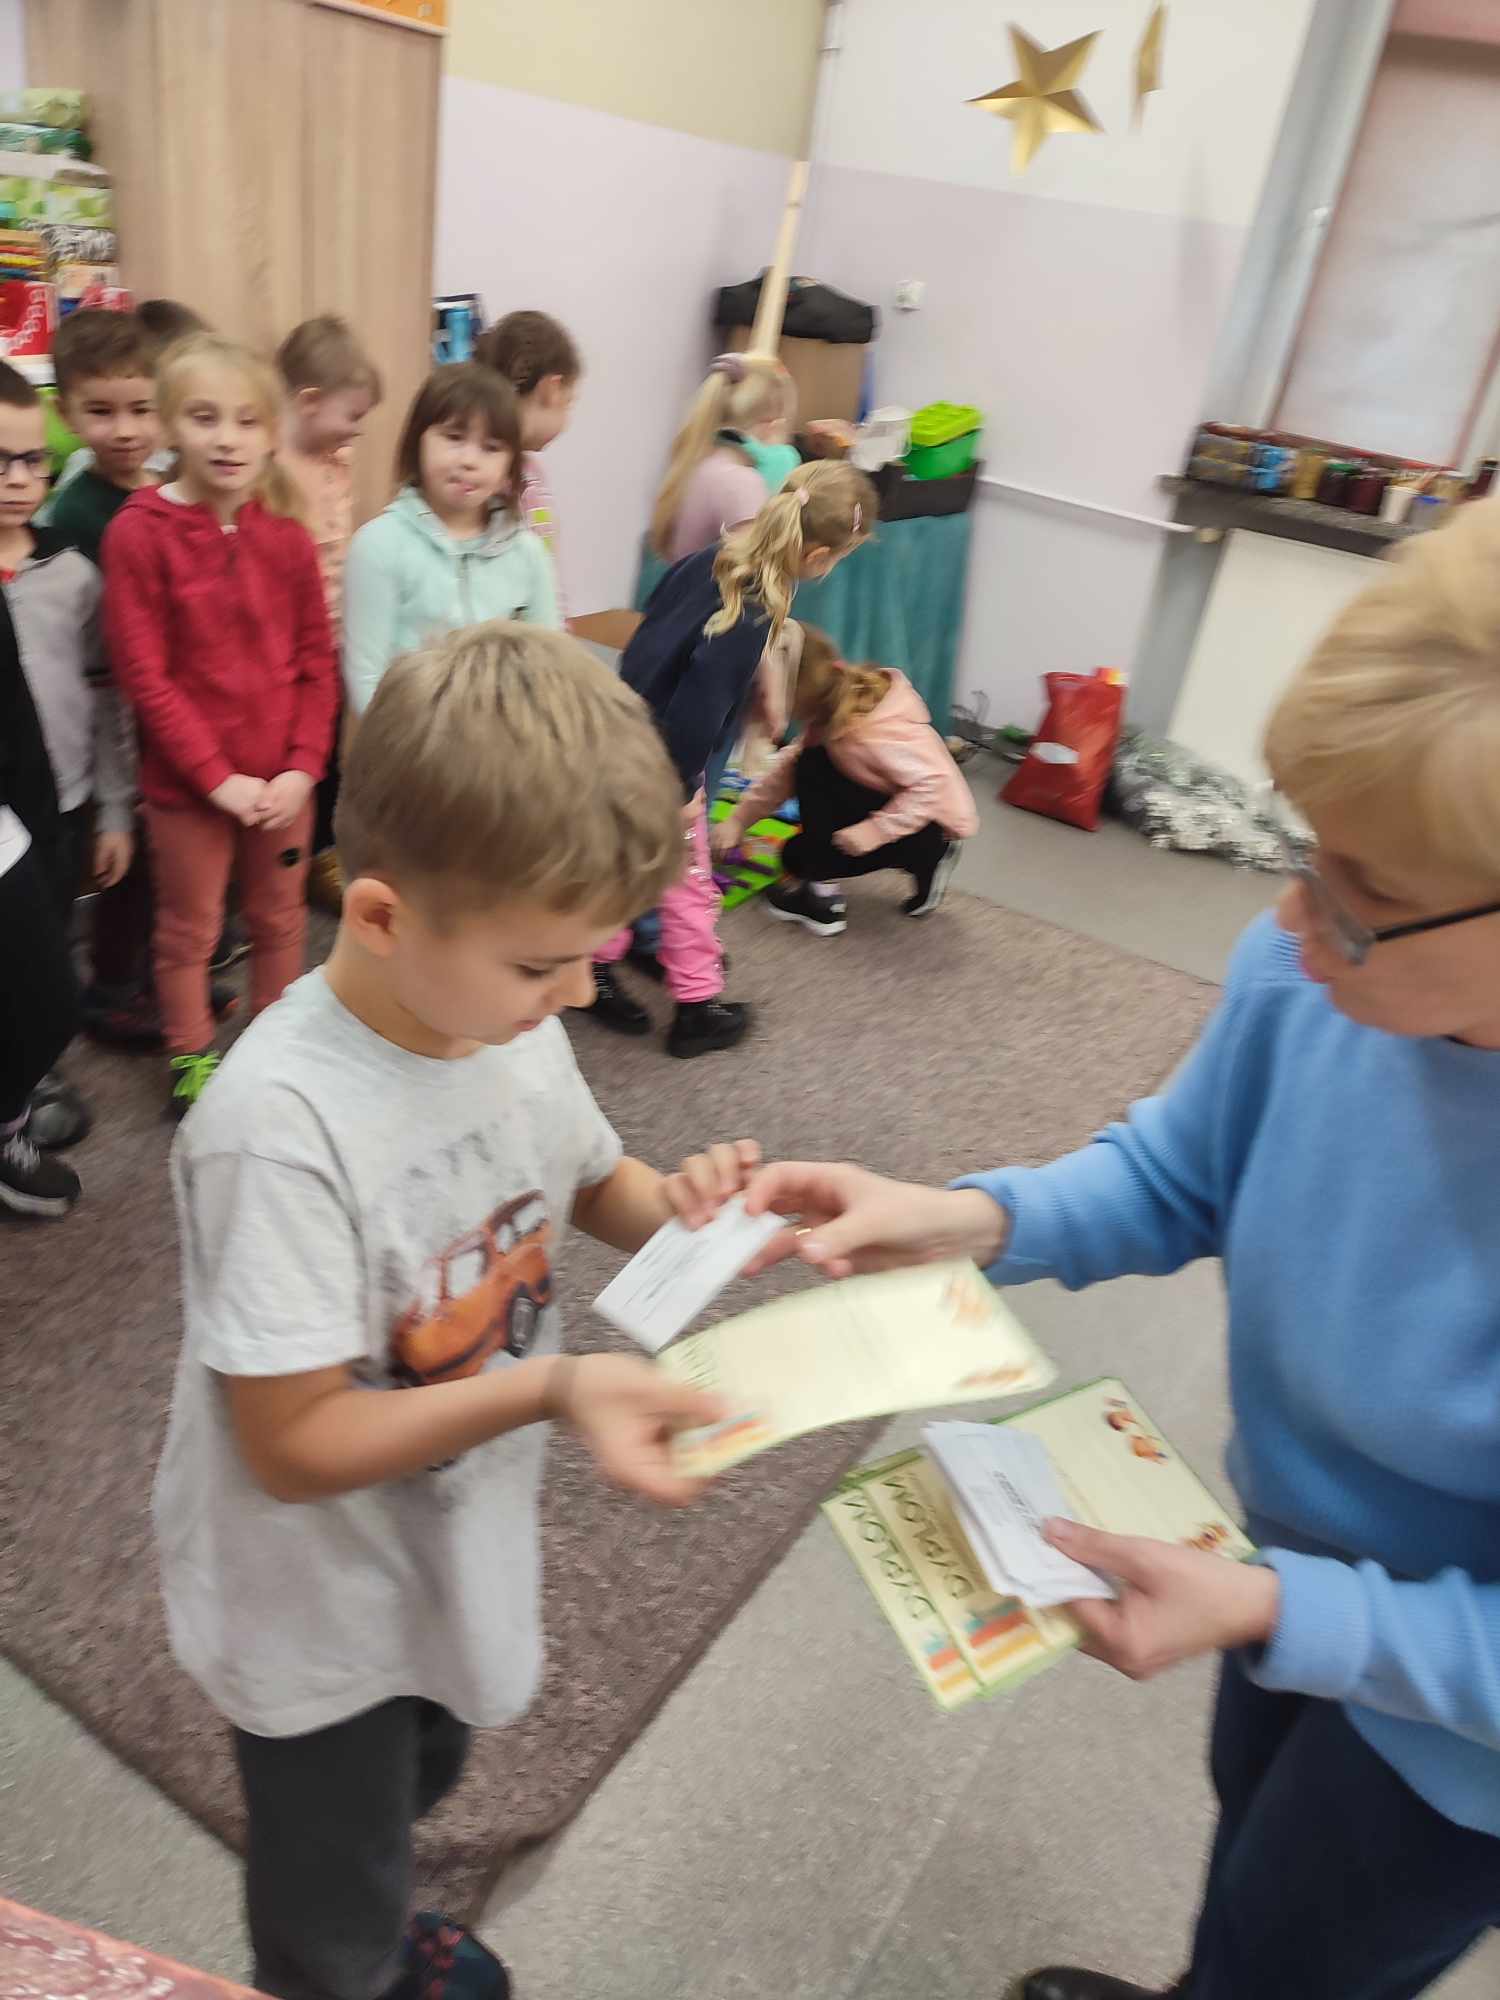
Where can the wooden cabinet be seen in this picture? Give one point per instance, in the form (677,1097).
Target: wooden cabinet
(271,159)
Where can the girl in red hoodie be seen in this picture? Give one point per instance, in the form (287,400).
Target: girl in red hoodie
(219,639)
(876,786)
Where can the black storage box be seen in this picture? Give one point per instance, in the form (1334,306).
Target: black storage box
(903,498)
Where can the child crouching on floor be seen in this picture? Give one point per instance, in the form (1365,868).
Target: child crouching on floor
(876,785)
(372,1199)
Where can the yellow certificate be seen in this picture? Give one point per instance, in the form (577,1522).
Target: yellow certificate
(902,1340)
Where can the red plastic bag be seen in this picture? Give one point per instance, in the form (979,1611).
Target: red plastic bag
(1068,764)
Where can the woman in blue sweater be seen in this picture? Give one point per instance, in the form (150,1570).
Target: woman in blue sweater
(1335,1140)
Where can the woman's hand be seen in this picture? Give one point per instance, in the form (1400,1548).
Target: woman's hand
(851,1220)
(627,1412)
(701,1185)
(283,798)
(113,853)
(1174,1603)
(844,843)
(241,798)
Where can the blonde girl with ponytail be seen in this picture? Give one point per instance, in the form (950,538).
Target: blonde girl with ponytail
(694,663)
(733,449)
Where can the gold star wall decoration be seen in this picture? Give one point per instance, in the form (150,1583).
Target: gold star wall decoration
(1148,59)
(1043,99)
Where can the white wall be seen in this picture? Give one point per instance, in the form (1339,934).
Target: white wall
(1272,601)
(623,230)
(1080,305)
(614,165)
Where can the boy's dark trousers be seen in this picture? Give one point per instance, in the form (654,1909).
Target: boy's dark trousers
(328,1863)
(1330,1878)
(831,801)
(39,998)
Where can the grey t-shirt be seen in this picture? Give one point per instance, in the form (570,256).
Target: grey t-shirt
(341,1200)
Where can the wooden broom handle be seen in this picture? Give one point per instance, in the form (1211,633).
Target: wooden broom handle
(765,337)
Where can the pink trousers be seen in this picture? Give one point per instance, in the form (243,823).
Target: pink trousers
(194,851)
(690,950)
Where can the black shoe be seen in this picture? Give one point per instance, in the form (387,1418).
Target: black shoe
(931,889)
(58,1115)
(1071,1982)
(614,1008)
(814,909)
(30,1183)
(700,1026)
(650,963)
(233,945)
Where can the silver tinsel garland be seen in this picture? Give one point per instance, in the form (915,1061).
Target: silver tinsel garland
(1177,800)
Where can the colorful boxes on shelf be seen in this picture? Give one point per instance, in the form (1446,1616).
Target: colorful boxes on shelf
(62,108)
(86,204)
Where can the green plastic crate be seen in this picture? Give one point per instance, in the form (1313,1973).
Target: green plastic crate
(944,440)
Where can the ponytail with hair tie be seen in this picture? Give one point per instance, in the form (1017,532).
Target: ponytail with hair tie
(825,505)
(738,392)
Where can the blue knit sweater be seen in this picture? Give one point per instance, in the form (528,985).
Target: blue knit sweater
(1350,1182)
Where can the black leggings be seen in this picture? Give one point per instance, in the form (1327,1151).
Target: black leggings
(38,987)
(830,801)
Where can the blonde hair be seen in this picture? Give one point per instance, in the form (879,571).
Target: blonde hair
(826,505)
(1400,701)
(324,353)
(506,763)
(740,390)
(174,377)
(832,694)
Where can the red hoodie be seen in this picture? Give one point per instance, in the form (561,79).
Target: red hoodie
(220,643)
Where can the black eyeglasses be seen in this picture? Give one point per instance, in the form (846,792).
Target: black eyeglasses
(1355,940)
(35,462)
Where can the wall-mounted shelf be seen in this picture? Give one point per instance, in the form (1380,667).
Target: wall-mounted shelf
(1199,505)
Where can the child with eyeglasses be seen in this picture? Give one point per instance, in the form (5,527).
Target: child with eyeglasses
(69,783)
(1334,1140)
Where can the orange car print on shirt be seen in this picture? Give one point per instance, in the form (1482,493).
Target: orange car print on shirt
(484,1295)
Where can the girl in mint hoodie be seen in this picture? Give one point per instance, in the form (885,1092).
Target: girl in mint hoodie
(450,549)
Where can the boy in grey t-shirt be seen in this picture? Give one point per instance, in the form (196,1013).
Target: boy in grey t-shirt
(371,1194)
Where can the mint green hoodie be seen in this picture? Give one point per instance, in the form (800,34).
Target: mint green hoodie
(407,581)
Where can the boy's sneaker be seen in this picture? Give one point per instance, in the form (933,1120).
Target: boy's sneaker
(445,1961)
(814,909)
(58,1115)
(233,945)
(932,889)
(702,1026)
(614,1008)
(32,1184)
(190,1076)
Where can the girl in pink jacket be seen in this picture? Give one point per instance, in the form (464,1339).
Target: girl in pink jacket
(877,788)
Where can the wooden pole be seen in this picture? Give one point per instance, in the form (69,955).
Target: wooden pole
(765,337)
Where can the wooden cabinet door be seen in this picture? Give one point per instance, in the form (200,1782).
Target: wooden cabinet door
(271,159)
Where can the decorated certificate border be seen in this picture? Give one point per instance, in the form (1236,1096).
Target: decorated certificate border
(897,1522)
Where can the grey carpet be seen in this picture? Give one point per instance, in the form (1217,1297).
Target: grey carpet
(921,1049)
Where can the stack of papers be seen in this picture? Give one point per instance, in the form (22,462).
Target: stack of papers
(1004,1490)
